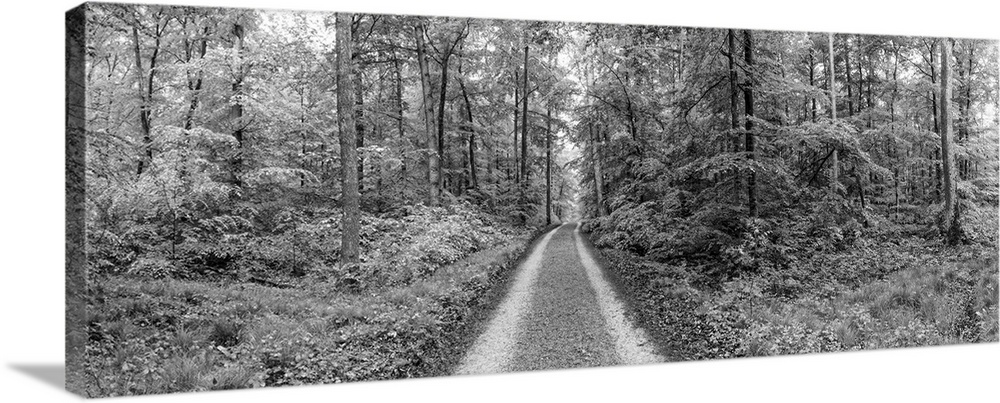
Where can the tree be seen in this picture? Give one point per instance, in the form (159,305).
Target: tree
(748,104)
(950,223)
(427,111)
(236,108)
(351,222)
(834,157)
(146,80)
(524,119)
(734,100)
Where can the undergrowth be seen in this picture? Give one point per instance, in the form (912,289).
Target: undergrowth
(882,291)
(161,327)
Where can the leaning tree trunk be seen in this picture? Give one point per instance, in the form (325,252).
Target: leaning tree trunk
(349,248)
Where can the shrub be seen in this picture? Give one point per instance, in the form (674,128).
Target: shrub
(152,267)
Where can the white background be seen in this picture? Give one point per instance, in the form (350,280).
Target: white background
(31,142)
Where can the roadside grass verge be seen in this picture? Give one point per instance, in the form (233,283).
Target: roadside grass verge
(920,306)
(890,295)
(174,335)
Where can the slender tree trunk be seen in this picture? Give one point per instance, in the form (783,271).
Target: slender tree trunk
(359,116)
(831,76)
(812,81)
(847,70)
(937,129)
(598,178)
(236,110)
(548,164)
(194,86)
(400,109)
(351,223)
(473,178)
(443,96)
(145,95)
(748,104)
(861,82)
(517,117)
(949,219)
(427,110)
(734,108)
(524,120)
(967,123)
(400,127)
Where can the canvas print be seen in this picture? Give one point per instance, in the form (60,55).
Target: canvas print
(262,198)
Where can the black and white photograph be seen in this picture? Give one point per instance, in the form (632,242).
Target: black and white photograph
(265,197)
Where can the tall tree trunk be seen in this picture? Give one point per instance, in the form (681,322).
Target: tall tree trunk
(861,81)
(847,70)
(812,80)
(949,219)
(400,127)
(548,164)
(748,88)
(967,124)
(194,85)
(351,223)
(236,110)
(831,76)
(964,109)
(145,85)
(524,119)
(517,117)
(734,108)
(427,110)
(598,177)
(400,109)
(938,180)
(359,116)
(473,177)
(442,98)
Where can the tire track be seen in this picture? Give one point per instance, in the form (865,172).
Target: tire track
(559,313)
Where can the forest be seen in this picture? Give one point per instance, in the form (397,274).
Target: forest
(283,198)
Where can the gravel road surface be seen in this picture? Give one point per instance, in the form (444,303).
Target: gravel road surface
(559,313)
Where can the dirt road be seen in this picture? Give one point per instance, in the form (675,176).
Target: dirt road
(560,312)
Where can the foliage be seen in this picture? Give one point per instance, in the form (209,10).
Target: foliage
(168,335)
(871,296)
